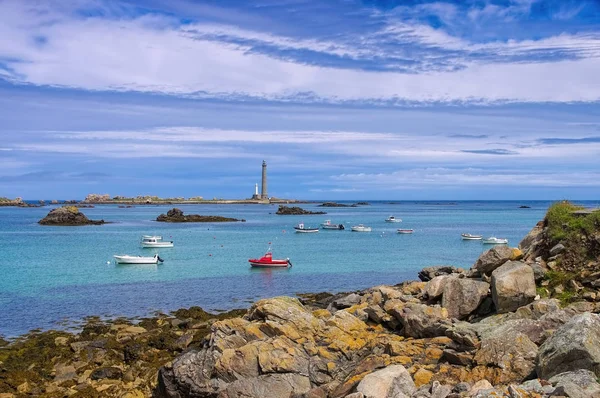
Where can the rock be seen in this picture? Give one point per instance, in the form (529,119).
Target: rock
(461,387)
(513,286)
(577,384)
(294,210)
(64,372)
(559,248)
(67,216)
(422,377)
(184,341)
(480,385)
(391,382)
(435,287)
(355,395)
(440,390)
(428,273)
(457,358)
(591,296)
(335,204)
(492,259)
(347,301)
(420,320)
(514,353)
(575,345)
(176,215)
(282,385)
(462,296)
(106,373)
(538,272)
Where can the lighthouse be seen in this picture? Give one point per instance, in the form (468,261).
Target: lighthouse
(263,193)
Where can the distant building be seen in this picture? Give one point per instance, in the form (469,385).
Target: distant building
(263,193)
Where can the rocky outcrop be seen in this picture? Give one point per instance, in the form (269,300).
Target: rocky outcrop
(97,198)
(176,215)
(576,384)
(68,216)
(513,286)
(462,296)
(428,273)
(295,211)
(575,345)
(335,204)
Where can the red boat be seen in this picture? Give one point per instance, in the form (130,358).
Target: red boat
(267,261)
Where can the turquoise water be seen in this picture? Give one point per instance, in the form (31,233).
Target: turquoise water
(52,274)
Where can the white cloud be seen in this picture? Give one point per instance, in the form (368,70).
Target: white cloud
(149,54)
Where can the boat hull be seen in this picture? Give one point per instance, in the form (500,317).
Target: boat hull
(365,229)
(306,230)
(333,227)
(271,265)
(405,231)
(395,220)
(135,260)
(157,245)
(471,237)
(495,241)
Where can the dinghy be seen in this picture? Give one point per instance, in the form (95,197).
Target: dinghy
(126,259)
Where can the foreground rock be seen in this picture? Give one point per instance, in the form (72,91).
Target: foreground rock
(576,345)
(513,286)
(294,210)
(68,216)
(176,215)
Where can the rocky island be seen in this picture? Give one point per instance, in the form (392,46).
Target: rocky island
(335,204)
(521,322)
(176,215)
(68,216)
(295,211)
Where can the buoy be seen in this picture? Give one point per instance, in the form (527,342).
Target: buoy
(210,255)
(108,262)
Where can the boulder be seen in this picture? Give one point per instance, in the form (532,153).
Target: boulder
(435,287)
(109,372)
(282,385)
(420,320)
(557,249)
(513,286)
(391,382)
(347,301)
(428,273)
(67,216)
(577,384)
(575,345)
(492,259)
(538,272)
(462,296)
(514,353)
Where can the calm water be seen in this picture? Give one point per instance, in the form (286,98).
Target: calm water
(53,274)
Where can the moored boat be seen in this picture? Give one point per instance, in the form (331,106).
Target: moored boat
(492,240)
(392,219)
(471,237)
(328,225)
(154,241)
(361,228)
(126,259)
(300,228)
(406,231)
(267,261)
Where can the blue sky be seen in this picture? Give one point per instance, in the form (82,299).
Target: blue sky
(344,99)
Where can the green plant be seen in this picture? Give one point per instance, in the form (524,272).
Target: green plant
(556,278)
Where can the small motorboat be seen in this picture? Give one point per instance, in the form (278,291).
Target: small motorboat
(471,237)
(492,240)
(300,228)
(392,219)
(406,231)
(155,242)
(328,225)
(125,259)
(267,261)
(361,228)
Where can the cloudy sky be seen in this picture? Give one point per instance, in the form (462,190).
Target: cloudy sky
(344,99)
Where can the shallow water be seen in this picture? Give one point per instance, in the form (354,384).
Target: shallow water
(49,274)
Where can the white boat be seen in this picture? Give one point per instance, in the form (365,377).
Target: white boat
(492,240)
(392,219)
(155,241)
(126,259)
(406,231)
(361,228)
(471,237)
(300,228)
(328,225)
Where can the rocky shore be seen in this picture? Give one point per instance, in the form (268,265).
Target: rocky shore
(176,215)
(295,211)
(521,322)
(156,200)
(68,216)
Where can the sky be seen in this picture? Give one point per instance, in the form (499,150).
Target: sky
(344,99)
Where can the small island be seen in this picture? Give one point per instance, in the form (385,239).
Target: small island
(295,211)
(68,216)
(176,215)
(335,204)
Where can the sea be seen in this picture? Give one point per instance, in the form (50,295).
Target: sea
(55,277)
